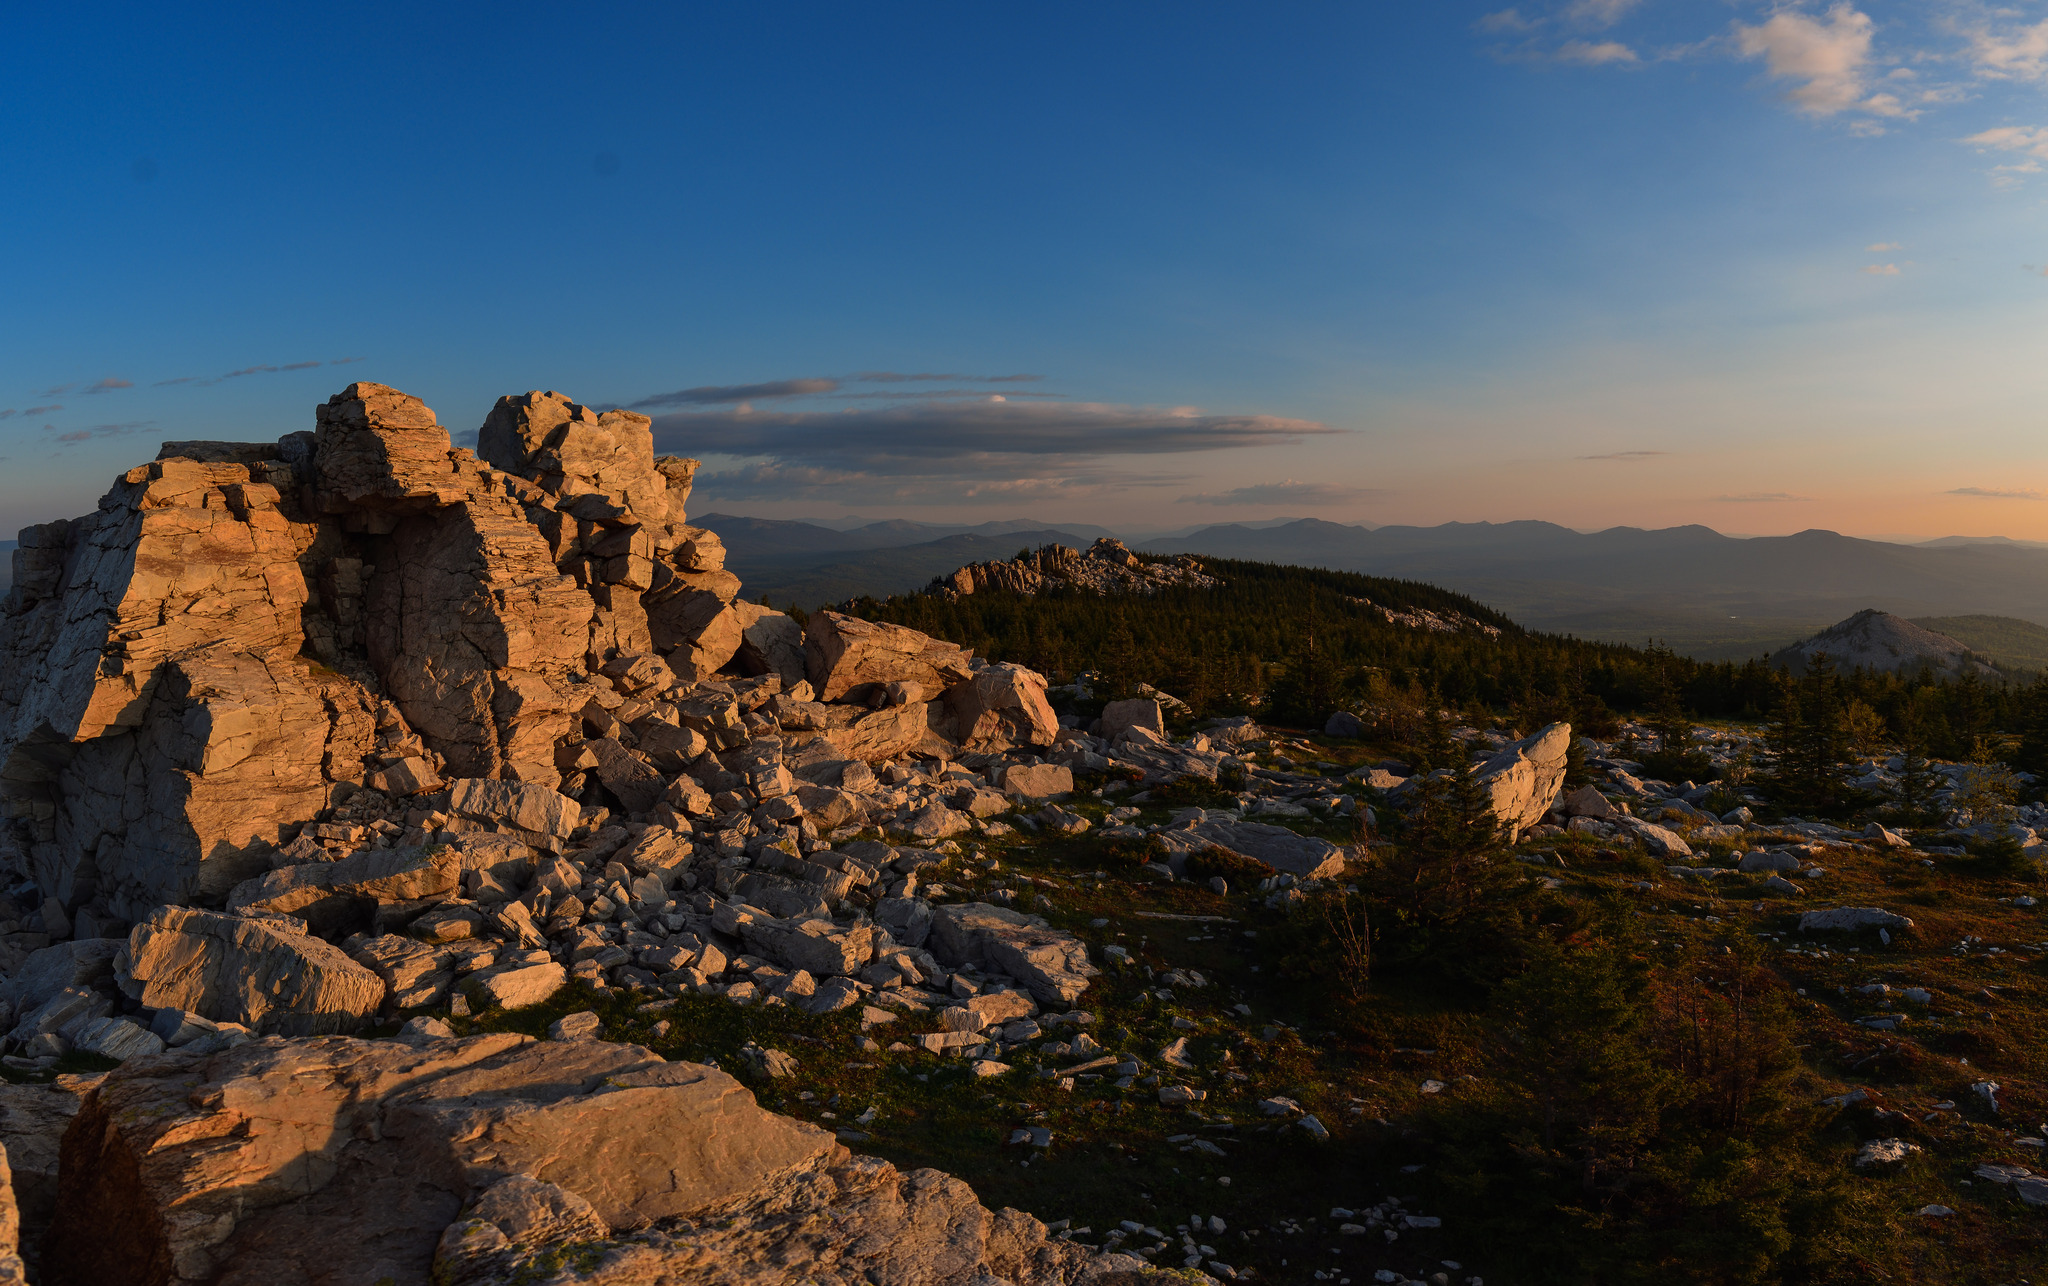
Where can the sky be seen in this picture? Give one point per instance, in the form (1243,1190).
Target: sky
(1761,266)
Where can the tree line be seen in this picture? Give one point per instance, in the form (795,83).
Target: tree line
(1295,643)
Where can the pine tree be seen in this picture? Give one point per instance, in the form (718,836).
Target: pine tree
(1809,741)
(1913,798)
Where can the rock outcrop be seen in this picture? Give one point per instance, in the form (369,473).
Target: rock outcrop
(1106,567)
(338,1162)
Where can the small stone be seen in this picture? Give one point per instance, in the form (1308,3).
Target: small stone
(578,1026)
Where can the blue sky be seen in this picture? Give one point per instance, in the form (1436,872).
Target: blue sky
(1762,266)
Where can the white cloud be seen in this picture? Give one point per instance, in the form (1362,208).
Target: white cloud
(1599,13)
(1881,247)
(1827,58)
(1596,55)
(2031,142)
(2020,53)
(1505,20)
(1881,269)
(2013,138)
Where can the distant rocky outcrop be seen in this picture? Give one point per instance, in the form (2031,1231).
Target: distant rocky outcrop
(1875,640)
(1421,618)
(1105,567)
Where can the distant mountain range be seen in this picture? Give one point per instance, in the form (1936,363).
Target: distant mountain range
(784,562)
(1706,594)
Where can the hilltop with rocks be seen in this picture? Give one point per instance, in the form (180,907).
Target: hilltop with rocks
(1882,642)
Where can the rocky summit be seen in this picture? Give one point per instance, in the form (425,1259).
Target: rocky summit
(299,737)
(1885,643)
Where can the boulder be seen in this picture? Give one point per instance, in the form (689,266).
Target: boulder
(883,734)
(1052,963)
(659,850)
(933,822)
(819,947)
(1119,717)
(1588,802)
(416,974)
(849,658)
(379,449)
(334,1162)
(84,963)
(335,898)
(264,972)
(1523,778)
(1851,918)
(1303,856)
(517,987)
(771,642)
(1659,840)
(116,1038)
(630,781)
(524,806)
(1038,781)
(1345,724)
(1779,862)
(908,920)
(1001,706)
(599,465)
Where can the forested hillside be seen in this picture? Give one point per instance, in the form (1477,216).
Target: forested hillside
(1298,642)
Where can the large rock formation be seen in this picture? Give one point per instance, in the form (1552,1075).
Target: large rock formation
(339,1162)
(242,628)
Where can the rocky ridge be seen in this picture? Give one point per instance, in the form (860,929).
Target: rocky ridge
(1106,567)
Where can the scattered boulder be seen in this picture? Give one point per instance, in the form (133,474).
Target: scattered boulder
(1523,778)
(523,806)
(847,658)
(1119,717)
(1589,802)
(1038,781)
(519,986)
(264,972)
(771,642)
(1852,918)
(1052,963)
(1303,856)
(1345,724)
(334,898)
(816,946)
(1001,706)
